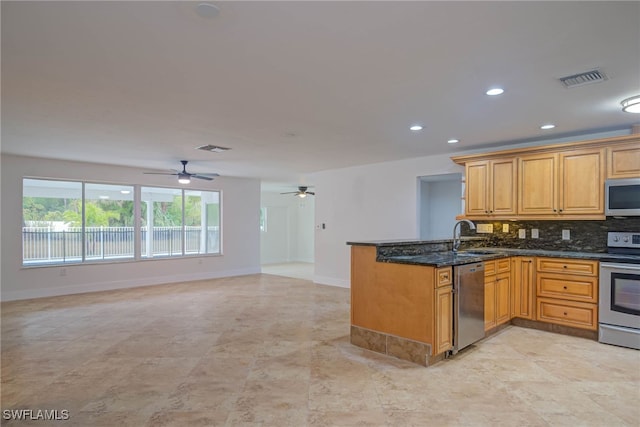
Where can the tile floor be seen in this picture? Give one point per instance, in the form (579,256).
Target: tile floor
(266,350)
(298,270)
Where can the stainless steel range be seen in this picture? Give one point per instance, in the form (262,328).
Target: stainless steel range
(619,305)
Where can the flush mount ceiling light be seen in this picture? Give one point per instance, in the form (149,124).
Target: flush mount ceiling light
(184,178)
(495,91)
(631,105)
(207,10)
(453,141)
(416,127)
(547,126)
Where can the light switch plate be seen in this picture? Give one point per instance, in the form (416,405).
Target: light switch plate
(485,228)
(522,233)
(505,228)
(535,233)
(566,235)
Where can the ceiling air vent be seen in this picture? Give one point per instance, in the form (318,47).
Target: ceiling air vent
(213,148)
(586,78)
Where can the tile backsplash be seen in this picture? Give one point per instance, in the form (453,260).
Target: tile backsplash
(585,236)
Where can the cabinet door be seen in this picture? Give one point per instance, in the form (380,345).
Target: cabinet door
(444,319)
(523,299)
(582,182)
(476,187)
(503,298)
(489,302)
(623,161)
(537,184)
(502,187)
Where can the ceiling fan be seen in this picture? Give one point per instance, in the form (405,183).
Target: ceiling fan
(302,192)
(184,177)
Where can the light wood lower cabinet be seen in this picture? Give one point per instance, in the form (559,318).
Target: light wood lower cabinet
(497,293)
(444,319)
(567,292)
(523,289)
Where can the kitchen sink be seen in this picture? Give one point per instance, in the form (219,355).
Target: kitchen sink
(473,253)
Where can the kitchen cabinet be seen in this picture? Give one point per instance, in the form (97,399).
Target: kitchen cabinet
(497,293)
(623,161)
(567,183)
(523,287)
(567,292)
(548,182)
(444,310)
(490,188)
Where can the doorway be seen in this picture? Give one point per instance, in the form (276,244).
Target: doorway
(439,202)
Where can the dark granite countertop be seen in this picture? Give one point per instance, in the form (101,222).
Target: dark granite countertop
(399,242)
(448,258)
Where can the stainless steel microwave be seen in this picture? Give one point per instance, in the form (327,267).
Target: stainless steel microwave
(622,197)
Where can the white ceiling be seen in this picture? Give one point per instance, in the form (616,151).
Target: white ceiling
(298,87)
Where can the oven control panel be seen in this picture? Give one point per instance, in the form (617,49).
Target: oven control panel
(617,239)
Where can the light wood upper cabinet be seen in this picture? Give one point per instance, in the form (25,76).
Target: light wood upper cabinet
(491,187)
(537,184)
(623,161)
(560,181)
(565,183)
(582,182)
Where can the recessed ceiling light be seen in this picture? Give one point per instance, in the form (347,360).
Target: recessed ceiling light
(416,127)
(631,105)
(207,10)
(453,141)
(547,126)
(495,91)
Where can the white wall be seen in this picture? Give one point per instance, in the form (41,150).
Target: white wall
(289,236)
(372,202)
(440,203)
(240,233)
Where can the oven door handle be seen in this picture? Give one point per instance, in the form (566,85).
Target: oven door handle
(632,267)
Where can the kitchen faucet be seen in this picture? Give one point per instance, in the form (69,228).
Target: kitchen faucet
(456,240)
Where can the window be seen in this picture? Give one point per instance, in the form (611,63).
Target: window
(67,222)
(51,222)
(179,222)
(109,221)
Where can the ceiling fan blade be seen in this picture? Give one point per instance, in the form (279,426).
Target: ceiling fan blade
(210,175)
(198,176)
(309,192)
(291,192)
(159,173)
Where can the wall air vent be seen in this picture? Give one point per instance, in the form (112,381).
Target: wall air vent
(586,78)
(212,148)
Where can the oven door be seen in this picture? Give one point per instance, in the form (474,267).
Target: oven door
(619,305)
(620,295)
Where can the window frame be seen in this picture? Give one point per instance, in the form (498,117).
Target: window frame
(137,225)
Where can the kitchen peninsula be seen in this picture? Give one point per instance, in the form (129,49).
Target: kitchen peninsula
(402,293)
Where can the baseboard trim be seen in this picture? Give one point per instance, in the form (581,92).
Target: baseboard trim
(331,281)
(121,284)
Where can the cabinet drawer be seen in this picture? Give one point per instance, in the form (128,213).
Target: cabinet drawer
(573,287)
(568,313)
(570,266)
(503,265)
(489,268)
(443,276)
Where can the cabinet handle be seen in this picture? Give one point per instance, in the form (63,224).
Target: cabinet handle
(565,313)
(565,288)
(564,266)
(560,210)
(555,210)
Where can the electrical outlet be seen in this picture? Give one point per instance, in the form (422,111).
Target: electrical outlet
(484,228)
(522,233)
(535,233)
(505,228)
(566,235)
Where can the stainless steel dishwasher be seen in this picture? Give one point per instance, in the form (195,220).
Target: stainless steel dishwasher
(468,305)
